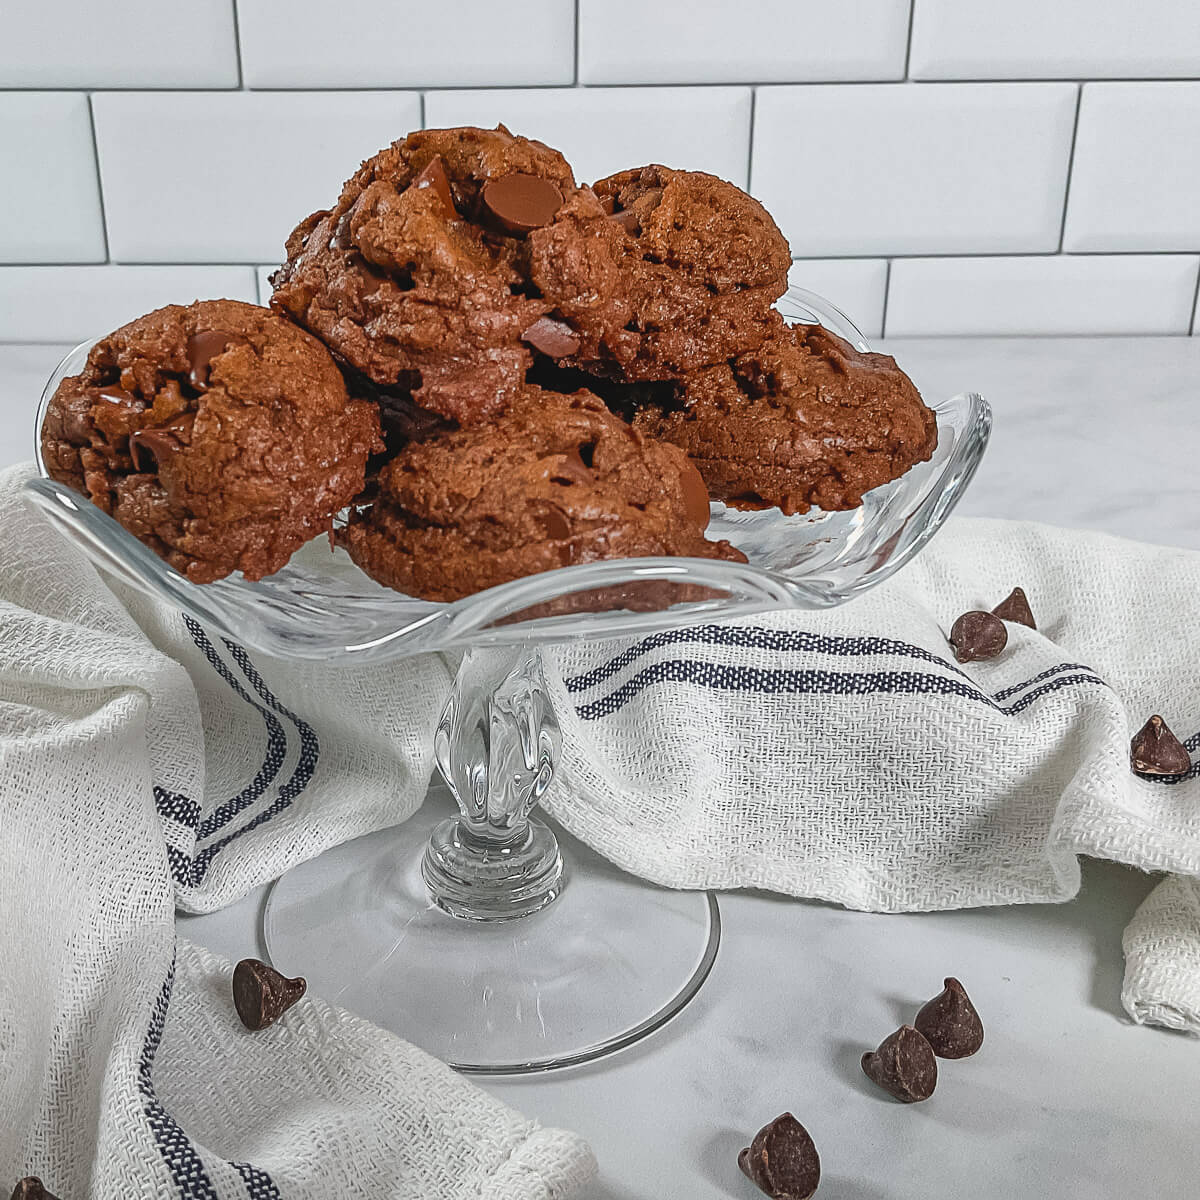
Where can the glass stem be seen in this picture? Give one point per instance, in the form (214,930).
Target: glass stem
(496,746)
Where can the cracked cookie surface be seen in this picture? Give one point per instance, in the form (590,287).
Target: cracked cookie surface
(660,272)
(557,480)
(417,276)
(804,420)
(218,433)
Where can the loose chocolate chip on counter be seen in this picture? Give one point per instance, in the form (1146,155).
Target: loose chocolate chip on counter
(433,175)
(555,339)
(904,1065)
(31,1188)
(1155,750)
(203,347)
(261,995)
(782,1160)
(977,635)
(520,203)
(1015,607)
(949,1023)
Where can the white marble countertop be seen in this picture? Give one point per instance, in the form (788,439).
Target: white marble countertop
(1067,1099)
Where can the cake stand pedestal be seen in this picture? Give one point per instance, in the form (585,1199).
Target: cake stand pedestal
(470,934)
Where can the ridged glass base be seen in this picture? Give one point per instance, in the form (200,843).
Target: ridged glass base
(610,961)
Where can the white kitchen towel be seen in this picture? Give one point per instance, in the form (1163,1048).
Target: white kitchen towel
(144,763)
(845,755)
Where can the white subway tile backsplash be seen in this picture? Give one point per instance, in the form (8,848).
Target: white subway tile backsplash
(602,130)
(49,199)
(51,304)
(363,43)
(196,177)
(855,285)
(914,168)
(1059,39)
(1050,294)
(1135,184)
(752,41)
(118,44)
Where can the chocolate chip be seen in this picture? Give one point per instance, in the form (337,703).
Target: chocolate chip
(1155,750)
(1015,607)
(976,635)
(520,203)
(904,1066)
(628,221)
(949,1023)
(555,339)
(203,347)
(695,494)
(31,1188)
(782,1160)
(261,995)
(555,524)
(160,442)
(433,175)
(113,395)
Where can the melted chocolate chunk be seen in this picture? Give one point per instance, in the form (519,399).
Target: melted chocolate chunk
(433,175)
(949,1022)
(159,442)
(1015,607)
(1155,750)
(978,635)
(904,1066)
(782,1160)
(261,994)
(521,203)
(695,495)
(202,348)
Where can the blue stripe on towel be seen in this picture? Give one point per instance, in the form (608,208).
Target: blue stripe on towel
(276,741)
(176,807)
(764,681)
(779,640)
(191,1180)
(183,1161)
(191,872)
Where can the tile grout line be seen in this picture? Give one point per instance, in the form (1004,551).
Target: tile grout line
(1062,229)
(912,17)
(750,140)
(575,83)
(237,47)
(644,85)
(887,296)
(99,184)
(1195,302)
(421,115)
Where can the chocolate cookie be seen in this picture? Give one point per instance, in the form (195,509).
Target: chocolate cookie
(416,277)
(219,434)
(803,420)
(659,272)
(555,481)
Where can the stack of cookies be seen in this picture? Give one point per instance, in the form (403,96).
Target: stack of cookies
(498,371)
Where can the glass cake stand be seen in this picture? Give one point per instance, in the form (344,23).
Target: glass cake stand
(472,935)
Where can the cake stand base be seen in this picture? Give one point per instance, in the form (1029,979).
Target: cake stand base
(609,961)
